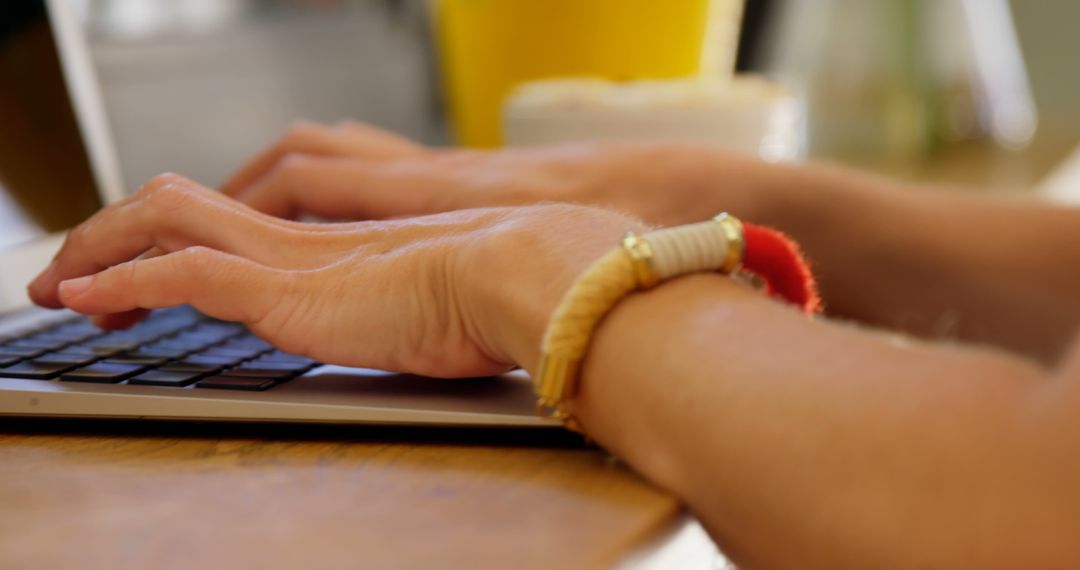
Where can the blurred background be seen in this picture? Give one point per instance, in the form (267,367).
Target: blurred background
(979,93)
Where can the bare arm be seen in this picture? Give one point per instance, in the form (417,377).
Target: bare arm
(934,264)
(1000,271)
(809,444)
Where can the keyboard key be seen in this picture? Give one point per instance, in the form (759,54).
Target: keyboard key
(140,359)
(236,353)
(209,360)
(215,332)
(235,383)
(72,360)
(103,372)
(189,369)
(62,338)
(205,365)
(164,378)
(33,342)
(146,352)
(285,357)
(71,333)
(248,341)
(115,341)
(8,350)
(30,370)
(274,366)
(82,326)
(278,375)
(179,315)
(98,351)
(163,326)
(182,342)
(138,334)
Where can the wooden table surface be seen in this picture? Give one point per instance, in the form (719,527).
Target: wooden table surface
(122,495)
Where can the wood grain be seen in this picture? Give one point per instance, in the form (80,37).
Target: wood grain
(362,499)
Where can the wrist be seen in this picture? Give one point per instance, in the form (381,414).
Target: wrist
(516,278)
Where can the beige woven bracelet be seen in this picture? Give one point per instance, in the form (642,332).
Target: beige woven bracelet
(640,263)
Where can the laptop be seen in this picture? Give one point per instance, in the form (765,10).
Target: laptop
(57,166)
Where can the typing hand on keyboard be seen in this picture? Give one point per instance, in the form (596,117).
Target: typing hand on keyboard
(463,293)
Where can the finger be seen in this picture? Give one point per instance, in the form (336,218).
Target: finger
(336,188)
(120,321)
(348,140)
(126,320)
(171,213)
(218,284)
(393,145)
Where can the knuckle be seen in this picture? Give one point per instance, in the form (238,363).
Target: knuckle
(167,198)
(160,181)
(128,271)
(290,166)
(80,234)
(196,254)
(195,261)
(577,223)
(301,129)
(199,265)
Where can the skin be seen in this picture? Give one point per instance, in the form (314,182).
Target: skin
(857,445)
(928,263)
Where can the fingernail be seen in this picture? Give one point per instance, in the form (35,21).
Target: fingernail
(76,286)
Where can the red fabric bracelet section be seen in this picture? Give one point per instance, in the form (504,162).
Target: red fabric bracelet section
(779,261)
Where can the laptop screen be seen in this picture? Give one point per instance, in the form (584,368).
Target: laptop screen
(46,182)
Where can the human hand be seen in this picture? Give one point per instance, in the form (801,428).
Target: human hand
(458,294)
(353,171)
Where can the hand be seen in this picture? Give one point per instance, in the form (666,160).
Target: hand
(357,172)
(459,294)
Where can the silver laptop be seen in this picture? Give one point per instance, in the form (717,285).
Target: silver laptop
(57,166)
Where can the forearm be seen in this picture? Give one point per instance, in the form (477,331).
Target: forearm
(809,444)
(934,264)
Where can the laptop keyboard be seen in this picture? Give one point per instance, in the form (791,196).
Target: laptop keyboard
(175,348)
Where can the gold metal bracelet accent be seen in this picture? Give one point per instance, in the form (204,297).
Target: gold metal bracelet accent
(555,381)
(641,257)
(736,240)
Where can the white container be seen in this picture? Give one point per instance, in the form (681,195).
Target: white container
(747,114)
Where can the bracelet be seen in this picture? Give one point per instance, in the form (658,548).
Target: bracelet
(722,244)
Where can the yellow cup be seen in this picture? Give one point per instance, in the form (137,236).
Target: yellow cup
(489,46)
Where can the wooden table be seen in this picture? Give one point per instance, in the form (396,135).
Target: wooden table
(122,495)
